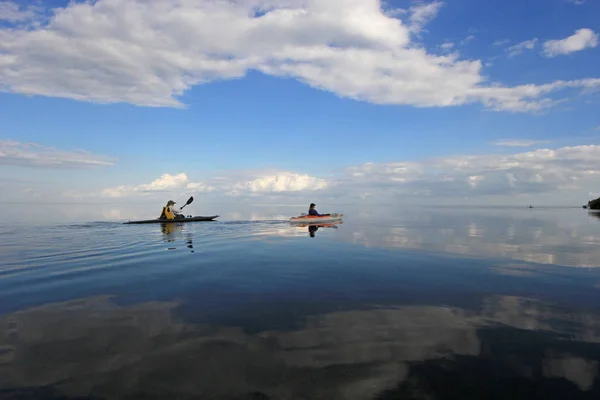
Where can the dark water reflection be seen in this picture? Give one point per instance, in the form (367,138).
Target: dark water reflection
(437,304)
(511,348)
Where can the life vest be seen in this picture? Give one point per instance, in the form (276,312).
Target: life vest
(167,213)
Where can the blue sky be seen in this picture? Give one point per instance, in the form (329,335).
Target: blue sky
(465,101)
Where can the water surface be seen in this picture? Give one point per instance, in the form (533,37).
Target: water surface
(391,304)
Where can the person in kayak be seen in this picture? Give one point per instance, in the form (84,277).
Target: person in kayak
(313,211)
(169,212)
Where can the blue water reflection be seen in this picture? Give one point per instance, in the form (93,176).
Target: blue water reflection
(438,303)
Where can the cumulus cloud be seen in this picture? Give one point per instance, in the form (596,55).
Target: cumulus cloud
(447,46)
(150,52)
(521,47)
(535,172)
(37,155)
(522,98)
(582,39)
(165,183)
(12,12)
(278,183)
(275,183)
(421,14)
(519,142)
(199,187)
(538,171)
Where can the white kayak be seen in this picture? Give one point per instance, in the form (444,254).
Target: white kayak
(312,219)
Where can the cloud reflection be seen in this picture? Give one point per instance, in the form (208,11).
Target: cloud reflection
(566,239)
(92,346)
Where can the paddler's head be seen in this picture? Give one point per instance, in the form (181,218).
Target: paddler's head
(312,205)
(170,203)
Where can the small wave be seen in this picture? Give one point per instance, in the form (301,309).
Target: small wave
(97,224)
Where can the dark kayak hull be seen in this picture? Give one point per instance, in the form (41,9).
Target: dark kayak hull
(168,221)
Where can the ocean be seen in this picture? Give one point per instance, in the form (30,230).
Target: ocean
(392,303)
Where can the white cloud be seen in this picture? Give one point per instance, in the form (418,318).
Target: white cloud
(582,39)
(278,183)
(199,187)
(563,175)
(475,179)
(36,155)
(150,52)
(519,142)
(467,39)
(117,191)
(447,46)
(521,47)
(166,183)
(12,12)
(421,14)
(522,98)
(501,42)
(576,2)
(538,171)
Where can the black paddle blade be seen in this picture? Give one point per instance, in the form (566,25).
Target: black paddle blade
(188,202)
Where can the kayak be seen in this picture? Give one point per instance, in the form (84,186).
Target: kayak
(312,219)
(162,221)
(333,224)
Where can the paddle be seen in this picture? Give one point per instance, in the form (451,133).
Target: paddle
(188,202)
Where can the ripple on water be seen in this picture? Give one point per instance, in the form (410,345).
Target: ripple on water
(35,255)
(347,305)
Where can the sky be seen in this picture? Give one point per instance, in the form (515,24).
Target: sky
(287,102)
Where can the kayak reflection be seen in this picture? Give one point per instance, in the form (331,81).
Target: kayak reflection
(313,228)
(173,231)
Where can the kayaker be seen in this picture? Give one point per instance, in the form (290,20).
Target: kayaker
(169,212)
(313,211)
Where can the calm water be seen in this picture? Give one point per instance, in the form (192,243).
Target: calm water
(391,304)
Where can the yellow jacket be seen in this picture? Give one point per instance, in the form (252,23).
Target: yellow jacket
(167,213)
